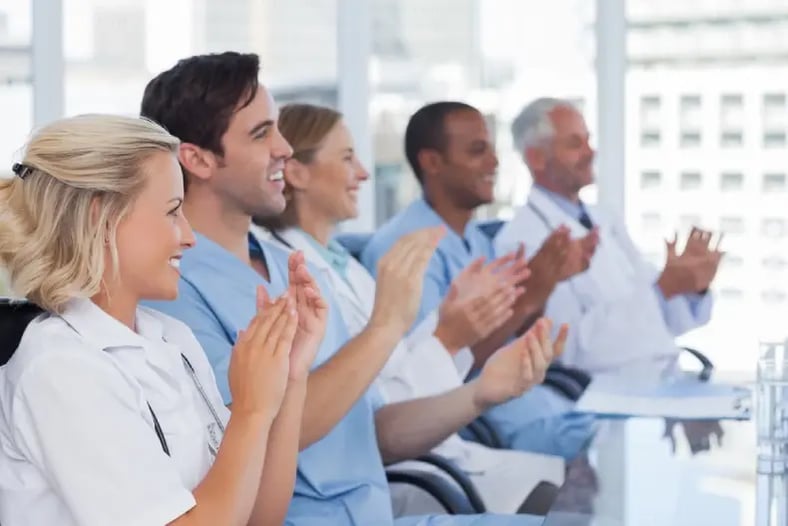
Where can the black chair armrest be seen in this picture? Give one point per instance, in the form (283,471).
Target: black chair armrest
(568,381)
(459,477)
(441,489)
(483,432)
(706,364)
(15,315)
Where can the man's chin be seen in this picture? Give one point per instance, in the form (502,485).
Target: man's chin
(273,207)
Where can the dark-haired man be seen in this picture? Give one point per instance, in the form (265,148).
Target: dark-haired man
(232,154)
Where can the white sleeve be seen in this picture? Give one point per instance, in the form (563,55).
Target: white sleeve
(463,359)
(79,421)
(681,313)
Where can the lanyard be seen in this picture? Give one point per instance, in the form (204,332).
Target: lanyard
(212,444)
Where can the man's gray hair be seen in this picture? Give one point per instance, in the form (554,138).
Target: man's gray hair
(533,125)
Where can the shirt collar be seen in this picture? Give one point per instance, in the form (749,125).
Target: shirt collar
(96,326)
(471,234)
(334,253)
(572,209)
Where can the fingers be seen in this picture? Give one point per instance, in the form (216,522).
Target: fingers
(497,264)
(283,332)
(261,325)
(560,342)
(538,364)
(475,267)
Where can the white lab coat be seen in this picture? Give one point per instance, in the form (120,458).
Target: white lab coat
(420,366)
(77,439)
(617,319)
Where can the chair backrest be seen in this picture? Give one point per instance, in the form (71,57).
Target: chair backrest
(491,227)
(14,318)
(354,242)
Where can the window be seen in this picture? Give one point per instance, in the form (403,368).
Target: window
(731,112)
(690,181)
(732,139)
(774,111)
(731,181)
(690,139)
(650,139)
(650,110)
(774,120)
(690,116)
(732,225)
(16,89)
(650,179)
(110,43)
(774,139)
(773,227)
(773,182)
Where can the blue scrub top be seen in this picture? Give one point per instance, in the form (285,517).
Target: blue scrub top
(340,478)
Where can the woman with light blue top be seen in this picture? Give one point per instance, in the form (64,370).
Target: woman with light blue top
(322,181)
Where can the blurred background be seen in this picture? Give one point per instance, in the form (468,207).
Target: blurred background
(686,100)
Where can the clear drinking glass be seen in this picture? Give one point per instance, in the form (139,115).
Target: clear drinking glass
(771,420)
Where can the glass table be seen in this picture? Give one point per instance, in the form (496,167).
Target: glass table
(632,476)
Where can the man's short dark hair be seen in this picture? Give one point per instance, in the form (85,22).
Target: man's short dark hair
(427,131)
(196,98)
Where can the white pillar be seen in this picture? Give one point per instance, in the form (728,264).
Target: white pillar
(611,64)
(48,64)
(354,47)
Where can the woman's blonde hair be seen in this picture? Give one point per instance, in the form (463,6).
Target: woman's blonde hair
(52,235)
(305,127)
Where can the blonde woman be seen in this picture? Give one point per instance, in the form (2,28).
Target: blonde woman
(109,412)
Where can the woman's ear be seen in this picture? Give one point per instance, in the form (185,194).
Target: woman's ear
(297,174)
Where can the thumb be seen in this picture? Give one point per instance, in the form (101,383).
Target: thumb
(452,294)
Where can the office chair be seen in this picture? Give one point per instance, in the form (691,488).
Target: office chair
(14,318)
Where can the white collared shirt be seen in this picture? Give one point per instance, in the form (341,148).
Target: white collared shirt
(77,439)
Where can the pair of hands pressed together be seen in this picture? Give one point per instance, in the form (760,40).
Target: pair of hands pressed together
(279,344)
(694,269)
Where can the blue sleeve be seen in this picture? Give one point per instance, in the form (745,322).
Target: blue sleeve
(192,309)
